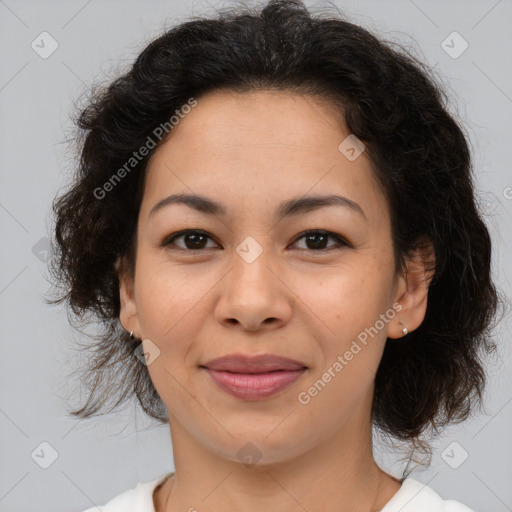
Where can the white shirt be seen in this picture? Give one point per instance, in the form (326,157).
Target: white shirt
(413,496)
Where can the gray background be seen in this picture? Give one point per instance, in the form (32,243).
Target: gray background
(100,458)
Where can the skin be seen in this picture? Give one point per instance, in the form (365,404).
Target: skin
(250,152)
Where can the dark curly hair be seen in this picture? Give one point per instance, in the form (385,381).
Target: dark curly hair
(419,153)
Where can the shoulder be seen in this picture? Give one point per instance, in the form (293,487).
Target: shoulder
(415,496)
(138,499)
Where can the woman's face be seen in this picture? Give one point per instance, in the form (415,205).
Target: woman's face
(250,283)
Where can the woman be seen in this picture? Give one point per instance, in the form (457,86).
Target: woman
(275,222)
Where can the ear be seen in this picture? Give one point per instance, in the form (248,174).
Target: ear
(412,290)
(128,314)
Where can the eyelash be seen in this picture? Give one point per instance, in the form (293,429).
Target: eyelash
(341,242)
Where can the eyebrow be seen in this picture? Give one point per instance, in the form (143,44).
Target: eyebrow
(288,208)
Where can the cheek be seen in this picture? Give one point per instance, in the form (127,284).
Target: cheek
(352,340)
(170,298)
(348,296)
(350,303)
(169,306)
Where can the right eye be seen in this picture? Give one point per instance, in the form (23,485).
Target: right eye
(192,238)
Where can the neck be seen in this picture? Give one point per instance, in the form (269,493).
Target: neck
(339,474)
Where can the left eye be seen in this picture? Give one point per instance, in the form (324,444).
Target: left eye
(195,240)
(318,238)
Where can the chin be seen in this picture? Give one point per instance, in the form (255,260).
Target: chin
(257,446)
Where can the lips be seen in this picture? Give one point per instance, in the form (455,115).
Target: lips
(239,363)
(254,377)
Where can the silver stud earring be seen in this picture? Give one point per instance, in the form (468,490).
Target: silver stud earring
(131,335)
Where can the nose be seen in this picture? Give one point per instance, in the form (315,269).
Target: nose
(254,295)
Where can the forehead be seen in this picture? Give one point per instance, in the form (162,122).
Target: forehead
(259,147)
(233,123)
